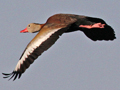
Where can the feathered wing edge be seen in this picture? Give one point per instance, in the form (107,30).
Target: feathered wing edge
(13,74)
(106,33)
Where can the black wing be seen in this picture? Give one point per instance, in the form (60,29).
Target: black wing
(106,33)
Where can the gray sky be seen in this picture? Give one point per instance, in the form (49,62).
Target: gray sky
(74,62)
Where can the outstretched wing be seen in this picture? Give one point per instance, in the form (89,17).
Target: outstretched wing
(106,33)
(40,43)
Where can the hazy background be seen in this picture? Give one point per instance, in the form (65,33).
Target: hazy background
(74,62)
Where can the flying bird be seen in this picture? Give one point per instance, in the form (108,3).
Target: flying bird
(49,32)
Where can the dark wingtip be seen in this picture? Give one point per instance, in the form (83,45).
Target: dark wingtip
(6,74)
(107,33)
(13,75)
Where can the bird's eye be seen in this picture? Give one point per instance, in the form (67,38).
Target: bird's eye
(28,25)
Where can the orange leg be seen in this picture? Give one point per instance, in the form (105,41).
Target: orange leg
(96,25)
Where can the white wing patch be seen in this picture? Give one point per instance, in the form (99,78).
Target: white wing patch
(33,46)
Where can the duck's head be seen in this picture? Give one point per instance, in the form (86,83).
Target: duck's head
(32,28)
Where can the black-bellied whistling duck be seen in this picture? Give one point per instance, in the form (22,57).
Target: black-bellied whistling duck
(55,26)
